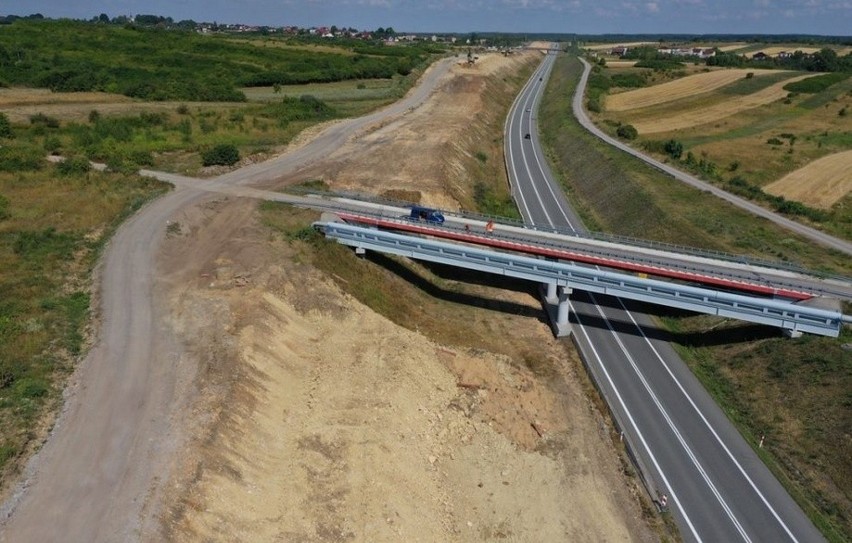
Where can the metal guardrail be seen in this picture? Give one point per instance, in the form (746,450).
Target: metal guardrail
(781,314)
(595,236)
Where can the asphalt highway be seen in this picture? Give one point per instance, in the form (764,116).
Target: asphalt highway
(716,487)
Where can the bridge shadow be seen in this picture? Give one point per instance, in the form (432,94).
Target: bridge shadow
(727,334)
(451,273)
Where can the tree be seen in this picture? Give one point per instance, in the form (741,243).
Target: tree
(103,18)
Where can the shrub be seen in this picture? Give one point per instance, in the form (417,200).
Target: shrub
(774,141)
(749,75)
(40,119)
(5,127)
(94,116)
(221,155)
(627,132)
(4,207)
(183,109)
(20,159)
(674,148)
(74,165)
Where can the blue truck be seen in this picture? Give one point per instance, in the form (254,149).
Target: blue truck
(420,213)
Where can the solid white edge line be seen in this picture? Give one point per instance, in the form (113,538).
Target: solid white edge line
(709,426)
(655,399)
(638,432)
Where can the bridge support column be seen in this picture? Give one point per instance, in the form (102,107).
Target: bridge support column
(562,308)
(792,334)
(555,302)
(551,296)
(360,251)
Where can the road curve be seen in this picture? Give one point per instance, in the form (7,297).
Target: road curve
(98,476)
(811,233)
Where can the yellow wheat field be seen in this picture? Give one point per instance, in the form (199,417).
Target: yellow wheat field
(819,184)
(677,89)
(707,114)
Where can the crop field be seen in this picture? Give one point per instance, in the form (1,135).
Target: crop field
(822,183)
(606,46)
(680,88)
(772,51)
(712,113)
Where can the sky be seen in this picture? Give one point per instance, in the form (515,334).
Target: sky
(827,17)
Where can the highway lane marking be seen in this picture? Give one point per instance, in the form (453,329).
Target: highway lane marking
(541,168)
(708,425)
(669,487)
(526,163)
(671,423)
(508,131)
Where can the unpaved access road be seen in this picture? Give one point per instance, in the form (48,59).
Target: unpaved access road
(238,394)
(97,476)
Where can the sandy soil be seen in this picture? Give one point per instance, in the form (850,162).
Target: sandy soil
(317,420)
(822,183)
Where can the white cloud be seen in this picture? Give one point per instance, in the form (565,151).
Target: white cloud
(652,7)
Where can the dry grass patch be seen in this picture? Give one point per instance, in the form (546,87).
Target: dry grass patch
(708,114)
(732,47)
(681,88)
(819,184)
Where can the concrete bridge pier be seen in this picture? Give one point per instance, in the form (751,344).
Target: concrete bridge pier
(555,300)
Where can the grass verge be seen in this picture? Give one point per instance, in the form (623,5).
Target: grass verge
(796,392)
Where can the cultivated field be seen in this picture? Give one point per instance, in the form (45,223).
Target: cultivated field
(703,115)
(773,51)
(606,46)
(821,183)
(677,89)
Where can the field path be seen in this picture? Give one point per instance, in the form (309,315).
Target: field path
(811,233)
(101,474)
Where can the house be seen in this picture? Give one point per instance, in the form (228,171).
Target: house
(619,51)
(760,55)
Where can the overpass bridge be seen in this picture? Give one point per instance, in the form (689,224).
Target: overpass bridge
(787,315)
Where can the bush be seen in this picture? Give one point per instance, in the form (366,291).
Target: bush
(774,141)
(4,208)
(221,155)
(5,127)
(74,165)
(40,119)
(627,132)
(674,149)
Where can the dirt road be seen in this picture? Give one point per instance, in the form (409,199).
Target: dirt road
(238,394)
(99,473)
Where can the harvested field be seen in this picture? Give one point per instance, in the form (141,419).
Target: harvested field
(820,184)
(675,90)
(732,47)
(707,114)
(605,46)
(773,51)
(620,63)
